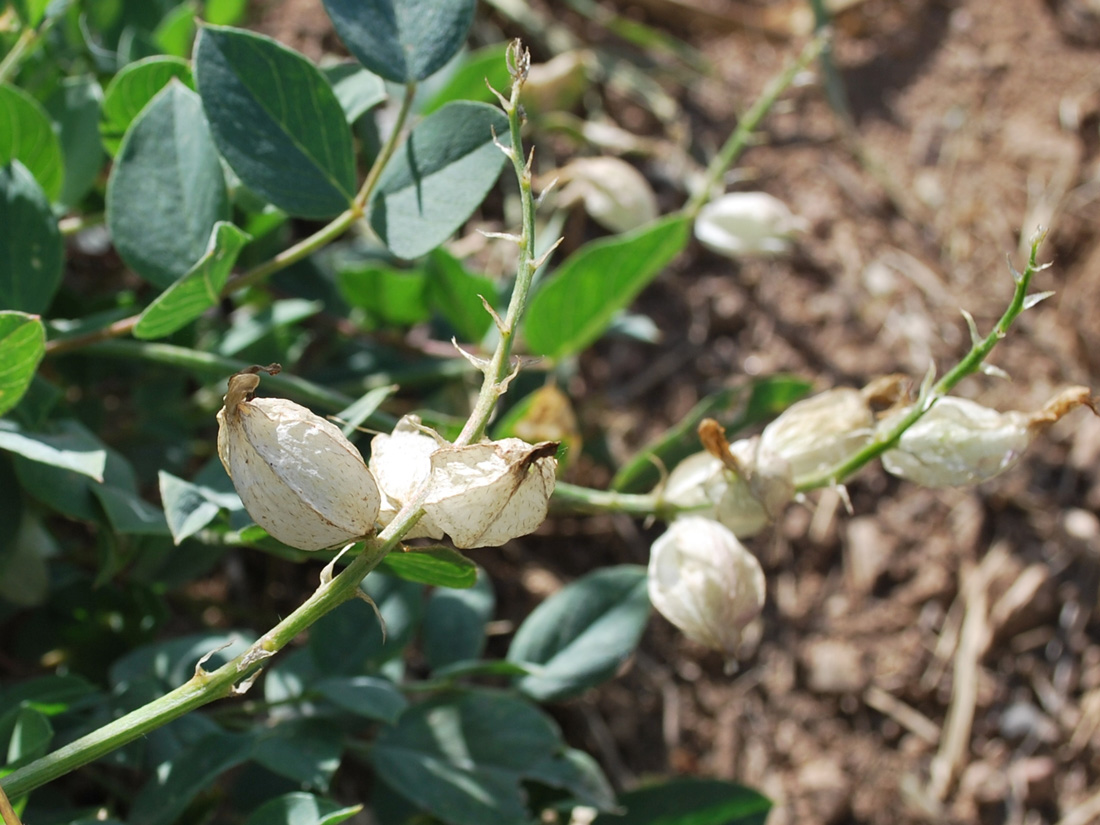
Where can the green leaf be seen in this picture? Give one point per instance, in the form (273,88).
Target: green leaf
(306,751)
(198,289)
(30,737)
(690,801)
(463,758)
(181,778)
(367,696)
(75,106)
(358,90)
(129,513)
(67,449)
(224,12)
(131,90)
(169,664)
(166,191)
(300,808)
(348,641)
(402,40)
(455,621)
(31,249)
(579,774)
(175,33)
(389,296)
(471,80)
(574,308)
(582,633)
(24,563)
(363,408)
(22,347)
(276,121)
(438,177)
(187,507)
(456,295)
(30,12)
(26,135)
(439,566)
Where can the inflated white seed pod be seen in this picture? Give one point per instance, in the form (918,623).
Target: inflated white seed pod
(745,502)
(297,475)
(484,494)
(747,223)
(615,194)
(821,431)
(960,442)
(401,463)
(705,582)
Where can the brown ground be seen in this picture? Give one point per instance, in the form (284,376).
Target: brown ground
(935,655)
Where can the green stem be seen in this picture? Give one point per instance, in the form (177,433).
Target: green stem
(498,370)
(586,500)
(739,139)
(203,687)
(969,364)
(10,63)
(330,232)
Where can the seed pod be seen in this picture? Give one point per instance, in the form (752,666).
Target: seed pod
(960,442)
(615,194)
(401,463)
(746,223)
(746,499)
(297,475)
(484,494)
(705,582)
(821,431)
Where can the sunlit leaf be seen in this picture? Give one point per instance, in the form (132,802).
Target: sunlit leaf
(402,40)
(22,346)
(438,177)
(277,121)
(166,191)
(198,289)
(31,248)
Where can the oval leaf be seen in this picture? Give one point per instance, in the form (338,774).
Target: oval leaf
(300,808)
(582,633)
(439,566)
(438,177)
(574,308)
(198,290)
(30,244)
(464,759)
(27,135)
(690,801)
(166,191)
(75,106)
(402,40)
(368,696)
(131,90)
(22,346)
(454,624)
(276,121)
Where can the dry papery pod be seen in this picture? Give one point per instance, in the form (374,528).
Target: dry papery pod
(481,495)
(740,485)
(960,442)
(297,475)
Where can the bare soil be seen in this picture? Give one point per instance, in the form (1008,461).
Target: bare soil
(931,656)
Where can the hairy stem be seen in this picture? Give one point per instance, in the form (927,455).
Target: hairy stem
(739,139)
(969,364)
(203,688)
(498,370)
